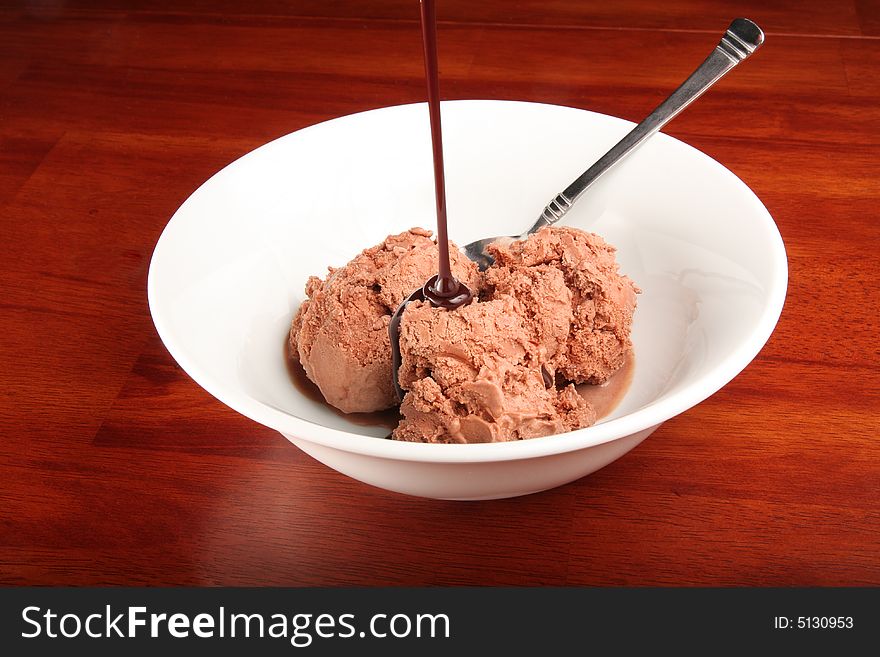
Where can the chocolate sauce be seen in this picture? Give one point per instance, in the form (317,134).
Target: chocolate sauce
(394,334)
(548,380)
(443,290)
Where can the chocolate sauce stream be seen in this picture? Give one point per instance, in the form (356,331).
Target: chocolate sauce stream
(445,285)
(443,290)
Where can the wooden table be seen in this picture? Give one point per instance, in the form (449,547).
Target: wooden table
(116,468)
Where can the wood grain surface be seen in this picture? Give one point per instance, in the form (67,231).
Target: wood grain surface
(116,468)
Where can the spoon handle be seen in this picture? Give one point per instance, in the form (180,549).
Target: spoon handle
(742,38)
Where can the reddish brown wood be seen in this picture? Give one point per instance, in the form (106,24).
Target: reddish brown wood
(115,468)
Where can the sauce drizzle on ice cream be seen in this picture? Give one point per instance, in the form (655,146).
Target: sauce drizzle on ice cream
(443,290)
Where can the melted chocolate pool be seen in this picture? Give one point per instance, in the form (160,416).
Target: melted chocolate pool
(607,396)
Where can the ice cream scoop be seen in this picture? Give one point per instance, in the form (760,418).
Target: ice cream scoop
(553,311)
(443,290)
(742,38)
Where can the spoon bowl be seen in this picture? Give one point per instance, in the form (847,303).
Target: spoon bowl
(228,274)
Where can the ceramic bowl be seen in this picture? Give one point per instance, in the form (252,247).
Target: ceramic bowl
(228,273)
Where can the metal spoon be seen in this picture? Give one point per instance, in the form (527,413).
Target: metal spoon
(742,38)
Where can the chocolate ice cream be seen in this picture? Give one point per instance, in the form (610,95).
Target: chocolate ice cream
(474,375)
(551,312)
(602,301)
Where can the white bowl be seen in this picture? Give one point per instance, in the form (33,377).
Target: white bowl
(229,270)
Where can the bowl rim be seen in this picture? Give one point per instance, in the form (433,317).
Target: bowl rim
(647,417)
